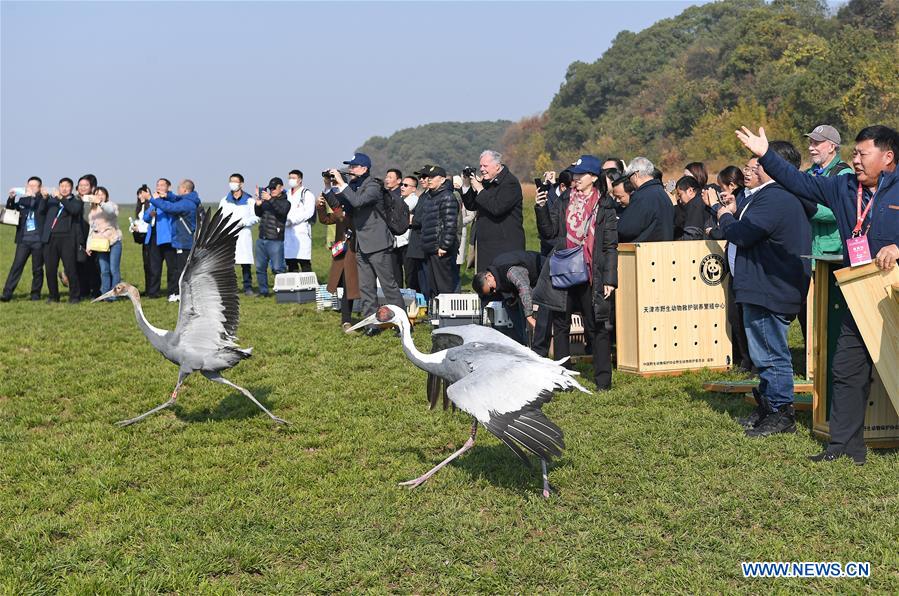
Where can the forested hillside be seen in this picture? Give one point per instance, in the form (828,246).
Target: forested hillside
(452,145)
(676,91)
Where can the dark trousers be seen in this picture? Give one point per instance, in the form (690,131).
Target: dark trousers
(373,268)
(543,331)
(413,270)
(148,269)
(443,274)
(61,248)
(852,372)
(596,334)
(247,272)
(346,304)
(295,265)
(88,277)
(160,253)
(739,342)
(399,259)
(181,255)
(35,250)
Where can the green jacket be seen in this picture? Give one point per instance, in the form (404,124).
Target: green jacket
(825,235)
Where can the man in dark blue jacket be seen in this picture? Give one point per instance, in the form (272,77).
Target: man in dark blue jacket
(62,218)
(28,239)
(771,283)
(182,211)
(866,204)
(159,239)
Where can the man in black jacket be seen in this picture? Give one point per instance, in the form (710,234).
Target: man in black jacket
(513,275)
(374,240)
(497,199)
(691,212)
(271,208)
(62,214)
(649,216)
(416,271)
(28,239)
(440,233)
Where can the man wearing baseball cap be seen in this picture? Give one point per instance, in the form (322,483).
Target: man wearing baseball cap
(374,240)
(824,153)
(440,233)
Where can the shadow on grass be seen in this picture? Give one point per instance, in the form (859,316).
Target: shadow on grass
(496,464)
(233,407)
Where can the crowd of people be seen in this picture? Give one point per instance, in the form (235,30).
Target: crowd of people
(418,230)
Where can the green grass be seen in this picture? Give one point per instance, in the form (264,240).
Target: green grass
(658,489)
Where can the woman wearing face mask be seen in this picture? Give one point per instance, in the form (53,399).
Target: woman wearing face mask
(298,233)
(239,205)
(587,219)
(105,239)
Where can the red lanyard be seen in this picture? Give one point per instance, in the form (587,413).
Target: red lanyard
(861,215)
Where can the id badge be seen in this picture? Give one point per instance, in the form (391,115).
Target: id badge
(859,251)
(30,224)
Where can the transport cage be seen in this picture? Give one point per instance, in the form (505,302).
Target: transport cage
(291,282)
(496,315)
(450,310)
(296,288)
(410,300)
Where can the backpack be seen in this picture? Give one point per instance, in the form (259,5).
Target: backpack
(311,220)
(394,210)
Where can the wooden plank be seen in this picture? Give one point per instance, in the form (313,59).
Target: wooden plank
(867,292)
(747,386)
(626,319)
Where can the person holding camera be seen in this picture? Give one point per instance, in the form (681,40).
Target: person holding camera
(27,238)
(105,239)
(440,233)
(343,272)
(271,208)
(495,194)
(182,210)
(62,220)
(557,187)
(139,229)
(374,240)
(159,240)
(586,220)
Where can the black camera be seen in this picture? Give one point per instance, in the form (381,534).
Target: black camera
(542,185)
(469,172)
(327,176)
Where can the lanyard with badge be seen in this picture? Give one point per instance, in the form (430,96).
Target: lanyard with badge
(857,245)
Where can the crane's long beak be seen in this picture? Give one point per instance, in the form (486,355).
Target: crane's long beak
(108,294)
(369,320)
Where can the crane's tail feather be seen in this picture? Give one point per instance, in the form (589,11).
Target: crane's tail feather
(528,428)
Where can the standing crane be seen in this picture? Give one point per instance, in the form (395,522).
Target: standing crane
(204,338)
(500,385)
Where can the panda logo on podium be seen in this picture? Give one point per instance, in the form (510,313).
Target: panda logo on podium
(712,269)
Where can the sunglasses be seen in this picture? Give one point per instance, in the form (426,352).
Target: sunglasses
(404,185)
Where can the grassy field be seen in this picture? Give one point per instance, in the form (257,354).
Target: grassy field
(659,491)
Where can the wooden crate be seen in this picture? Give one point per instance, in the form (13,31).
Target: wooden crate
(881,419)
(671,312)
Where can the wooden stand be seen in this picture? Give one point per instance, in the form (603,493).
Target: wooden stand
(881,420)
(671,312)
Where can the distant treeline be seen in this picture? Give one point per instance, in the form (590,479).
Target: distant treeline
(676,91)
(452,145)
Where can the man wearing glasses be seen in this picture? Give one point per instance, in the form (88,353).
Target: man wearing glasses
(408,190)
(374,241)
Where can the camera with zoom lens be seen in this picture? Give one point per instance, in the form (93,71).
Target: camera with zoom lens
(327,176)
(469,172)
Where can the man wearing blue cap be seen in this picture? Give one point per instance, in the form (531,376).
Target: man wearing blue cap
(374,240)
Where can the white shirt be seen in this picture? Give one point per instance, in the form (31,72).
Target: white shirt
(411,201)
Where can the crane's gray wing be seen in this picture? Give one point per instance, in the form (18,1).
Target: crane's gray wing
(469,333)
(505,392)
(210,308)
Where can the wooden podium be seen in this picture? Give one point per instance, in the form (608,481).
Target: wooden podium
(670,307)
(881,420)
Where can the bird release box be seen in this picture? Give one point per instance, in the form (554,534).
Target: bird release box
(447,310)
(860,285)
(298,288)
(671,309)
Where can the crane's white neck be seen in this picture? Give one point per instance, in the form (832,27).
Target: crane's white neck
(427,362)
(149,330)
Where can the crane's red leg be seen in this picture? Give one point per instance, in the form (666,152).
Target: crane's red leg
(162,406)
(468,445)
(547,488)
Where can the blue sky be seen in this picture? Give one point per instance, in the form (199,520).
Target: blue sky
(132,91)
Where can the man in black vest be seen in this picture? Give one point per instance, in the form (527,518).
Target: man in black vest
(28,239)
(513,275)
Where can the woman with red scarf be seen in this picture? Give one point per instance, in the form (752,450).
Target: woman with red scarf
(586,219)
